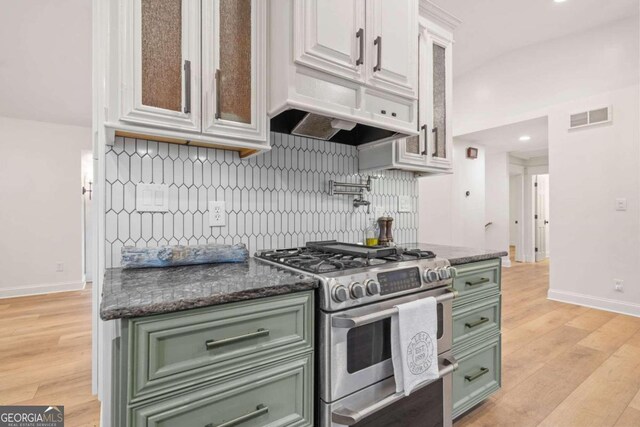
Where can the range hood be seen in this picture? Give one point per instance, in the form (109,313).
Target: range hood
(312,125)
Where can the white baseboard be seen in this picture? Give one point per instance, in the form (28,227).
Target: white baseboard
(41,289)
(606,304)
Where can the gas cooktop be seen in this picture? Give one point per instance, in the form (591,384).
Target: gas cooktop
(332,256)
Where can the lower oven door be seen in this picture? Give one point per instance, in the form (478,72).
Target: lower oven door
(380,406)
(352,358)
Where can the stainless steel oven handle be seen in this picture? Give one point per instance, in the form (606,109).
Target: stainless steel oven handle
(355,321)
(350,417)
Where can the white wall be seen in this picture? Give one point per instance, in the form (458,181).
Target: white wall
(591,243)
(497,202)
(40,218)
(447,215)
(524,83)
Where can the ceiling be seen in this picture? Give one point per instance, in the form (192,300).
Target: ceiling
(506,138)
(491,28)
(45,61)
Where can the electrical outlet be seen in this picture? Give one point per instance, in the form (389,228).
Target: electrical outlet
(59,267)
(217,214)
(618,285)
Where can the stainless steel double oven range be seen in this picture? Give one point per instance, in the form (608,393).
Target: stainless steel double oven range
(359,288)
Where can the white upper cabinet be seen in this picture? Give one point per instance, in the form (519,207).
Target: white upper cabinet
(233,63)
(392,44)
(160,72)
(191,71)
(331,36)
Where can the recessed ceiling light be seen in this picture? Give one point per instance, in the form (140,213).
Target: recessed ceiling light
(525,138)
(559,1)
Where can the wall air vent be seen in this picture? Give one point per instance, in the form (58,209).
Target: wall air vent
(589,118)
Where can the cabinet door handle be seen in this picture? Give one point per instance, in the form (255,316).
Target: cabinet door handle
(478,322)
(187,86)
(435,141)
(360,37)
(211,344)
(477,282)
(218,76)
(260,410)
(378,42)
(477,375)
(424,129)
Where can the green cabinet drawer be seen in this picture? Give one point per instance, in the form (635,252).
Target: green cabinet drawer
(477,280)
(476,318)
(177,350)
(478,374)
(276,395)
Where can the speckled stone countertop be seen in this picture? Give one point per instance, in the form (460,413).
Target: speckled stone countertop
(147,291)
(457,255)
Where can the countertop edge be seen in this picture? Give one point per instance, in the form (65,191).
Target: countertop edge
(476,258)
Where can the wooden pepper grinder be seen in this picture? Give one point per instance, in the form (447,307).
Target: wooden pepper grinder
(389,234)
(382,225)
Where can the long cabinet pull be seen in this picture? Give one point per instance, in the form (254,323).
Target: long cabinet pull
(211,344)
(360,37)
(477,282)
(187,86)
(435,141)
(218,77)
(260,410)
(378,42)
(424,129)
(476,375)
(478,322)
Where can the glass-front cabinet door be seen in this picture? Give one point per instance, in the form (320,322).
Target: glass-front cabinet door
(161,70)
(439,138)
(233,68)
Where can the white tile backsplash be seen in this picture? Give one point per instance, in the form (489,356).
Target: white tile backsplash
(276,199)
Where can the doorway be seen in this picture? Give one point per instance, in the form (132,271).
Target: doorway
(516,216)
(541,216)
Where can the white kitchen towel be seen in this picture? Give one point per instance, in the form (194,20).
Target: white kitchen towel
(414,344)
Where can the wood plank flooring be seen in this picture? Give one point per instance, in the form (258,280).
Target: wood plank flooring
(563,365)
(45,354)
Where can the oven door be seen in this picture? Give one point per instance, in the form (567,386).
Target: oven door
(380,406)
(352,358)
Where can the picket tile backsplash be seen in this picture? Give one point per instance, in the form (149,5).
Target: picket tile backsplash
(278,199)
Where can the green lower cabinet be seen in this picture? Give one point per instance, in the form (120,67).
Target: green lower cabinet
(477,280)
(478,375)
(279,395)
(477,318)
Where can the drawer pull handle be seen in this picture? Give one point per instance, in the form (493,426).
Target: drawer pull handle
(260,410)
(477,375)
(478,322)
(477,282)
(393,114)
(211,344)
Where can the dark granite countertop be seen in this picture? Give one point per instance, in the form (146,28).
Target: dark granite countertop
(458,255)
(147,291)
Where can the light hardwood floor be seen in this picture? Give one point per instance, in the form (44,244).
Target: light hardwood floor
(45,354)
(562,365)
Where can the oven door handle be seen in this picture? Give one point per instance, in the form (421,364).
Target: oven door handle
(344,321)
(350,417)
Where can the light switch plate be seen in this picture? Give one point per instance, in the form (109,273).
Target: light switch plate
(404,203)
(621,204)
(217,214)
(152,197)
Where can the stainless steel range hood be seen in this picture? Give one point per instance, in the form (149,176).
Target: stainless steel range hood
(326,128)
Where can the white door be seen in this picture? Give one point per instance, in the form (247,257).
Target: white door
(87,214)
(330,36)
(541,218)
(234,69)
(392,45)
(161,67)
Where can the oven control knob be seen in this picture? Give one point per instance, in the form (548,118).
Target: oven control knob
(430,275)
(443,273)
(357,290)
(452,272)
(339,293)
(373,287)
